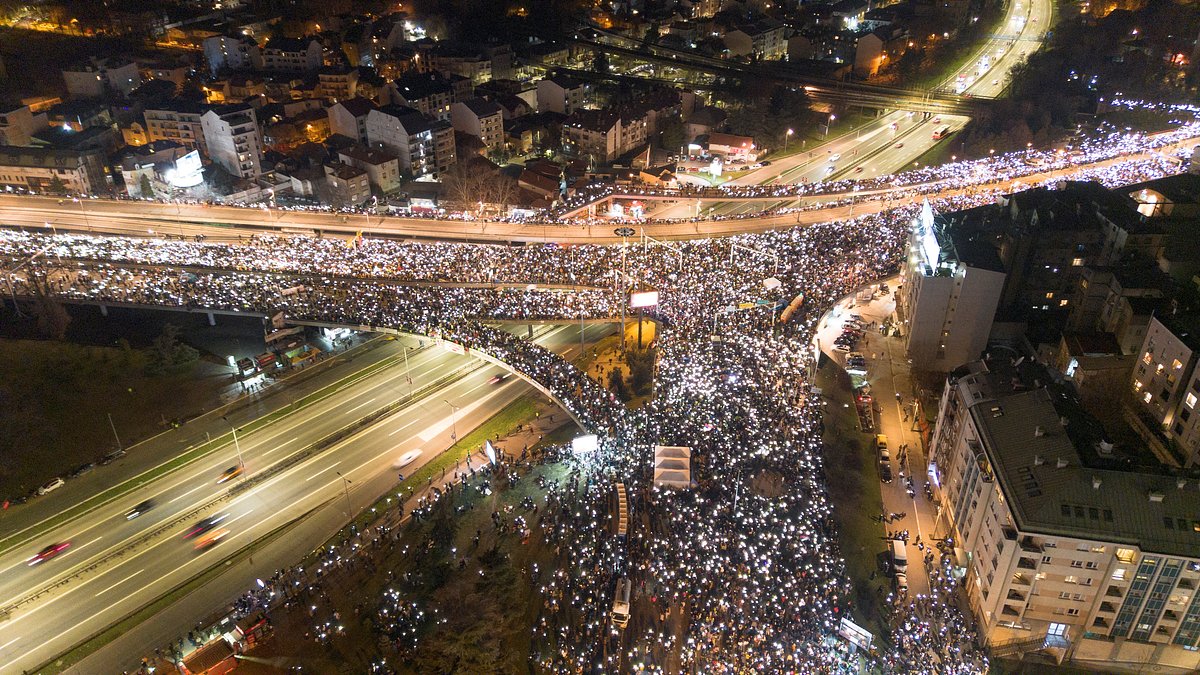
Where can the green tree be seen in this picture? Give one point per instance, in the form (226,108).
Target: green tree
(57,186)
(616,383)
(168,353)
(671,136)
(145,187)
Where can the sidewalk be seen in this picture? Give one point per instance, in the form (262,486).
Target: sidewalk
(889,376)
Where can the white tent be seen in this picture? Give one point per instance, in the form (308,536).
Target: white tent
(672,466)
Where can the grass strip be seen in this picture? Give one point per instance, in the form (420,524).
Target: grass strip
(850,463)
(106,635)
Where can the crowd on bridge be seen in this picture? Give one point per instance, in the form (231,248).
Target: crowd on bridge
(742,570)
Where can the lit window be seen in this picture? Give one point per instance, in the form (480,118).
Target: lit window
(1125,555)
(1176,364)
(1158,369)
(1190,400)
(1077,262)
(1146,358)
(1050,295)
(1147,397)
(1062,303)
(1119,574)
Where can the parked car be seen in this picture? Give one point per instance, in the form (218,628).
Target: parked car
(51,486)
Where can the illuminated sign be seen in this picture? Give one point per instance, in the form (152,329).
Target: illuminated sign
(587,443)
(646,299)
(929,243)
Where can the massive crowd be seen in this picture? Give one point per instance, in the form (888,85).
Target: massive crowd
(743,569)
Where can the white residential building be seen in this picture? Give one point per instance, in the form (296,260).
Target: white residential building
(480,118)
(234,140)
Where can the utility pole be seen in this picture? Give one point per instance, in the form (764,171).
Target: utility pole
(346,489)
(114,430)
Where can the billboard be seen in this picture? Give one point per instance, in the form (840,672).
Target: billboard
(644,299)
(188,171)
(489,451)
(855,634)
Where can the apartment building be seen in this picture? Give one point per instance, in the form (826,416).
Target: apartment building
(1064,552)
(337,83)
(349,117)
(950,288)
(560,94)
(234,139)
(99,77)
(1166,383)
(462,60)
(762,39)
(53,169)
(480,118)
(423,145)
(382,167)
(348,185)
(429,93)
(177,121)
(231,52)
(292,55)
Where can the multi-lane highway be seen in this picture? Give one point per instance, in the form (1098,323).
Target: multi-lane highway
(40,629)
(893,141)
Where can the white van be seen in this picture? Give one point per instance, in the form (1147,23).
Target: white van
(620,610)
(899,556)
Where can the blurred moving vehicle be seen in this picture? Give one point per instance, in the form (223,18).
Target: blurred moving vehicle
(138,510)
(203,526)
(406,459)
(49,552)
(210,539)
(231,473)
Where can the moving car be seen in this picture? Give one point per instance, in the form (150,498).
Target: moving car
(203,526)
(497,379)
(230,473)
(210,539)
(899,145)
(620,610)
(51,486)
(835,157)
(406,459)
(138,510)
(49,552)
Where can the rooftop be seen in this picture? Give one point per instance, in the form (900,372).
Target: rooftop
(421,85)
(1050,491)
(482,107)
(358,106)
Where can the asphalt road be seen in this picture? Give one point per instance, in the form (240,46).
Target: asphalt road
(46,627)
(895,140)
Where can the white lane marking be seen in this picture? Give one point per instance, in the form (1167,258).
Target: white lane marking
(281,446)
(361,405)
(186,493)
(109,588)
(322,471)
(9,643)
(393,433)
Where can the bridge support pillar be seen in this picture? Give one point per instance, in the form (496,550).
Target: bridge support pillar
(212,319)
(529,332)
(103,310)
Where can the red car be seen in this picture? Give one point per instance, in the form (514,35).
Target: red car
(49,552)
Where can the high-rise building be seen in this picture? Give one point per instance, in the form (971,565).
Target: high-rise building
(234,139)
(1065,550)
(950,288)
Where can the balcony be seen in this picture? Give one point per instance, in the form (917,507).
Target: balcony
(1014,595)
(1027,563)
(1021,579)
(1027,544)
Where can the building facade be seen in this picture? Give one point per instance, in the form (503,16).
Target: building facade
(1084,563)
(234,140)
(950,288)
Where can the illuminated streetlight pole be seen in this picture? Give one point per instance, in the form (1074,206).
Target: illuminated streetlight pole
(787,137)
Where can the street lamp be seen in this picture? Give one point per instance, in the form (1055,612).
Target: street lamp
(346,489)
(236,445)
(453,420)
(787,137)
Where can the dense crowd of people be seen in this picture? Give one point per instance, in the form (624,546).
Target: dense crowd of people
(740,571)
(743,569)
